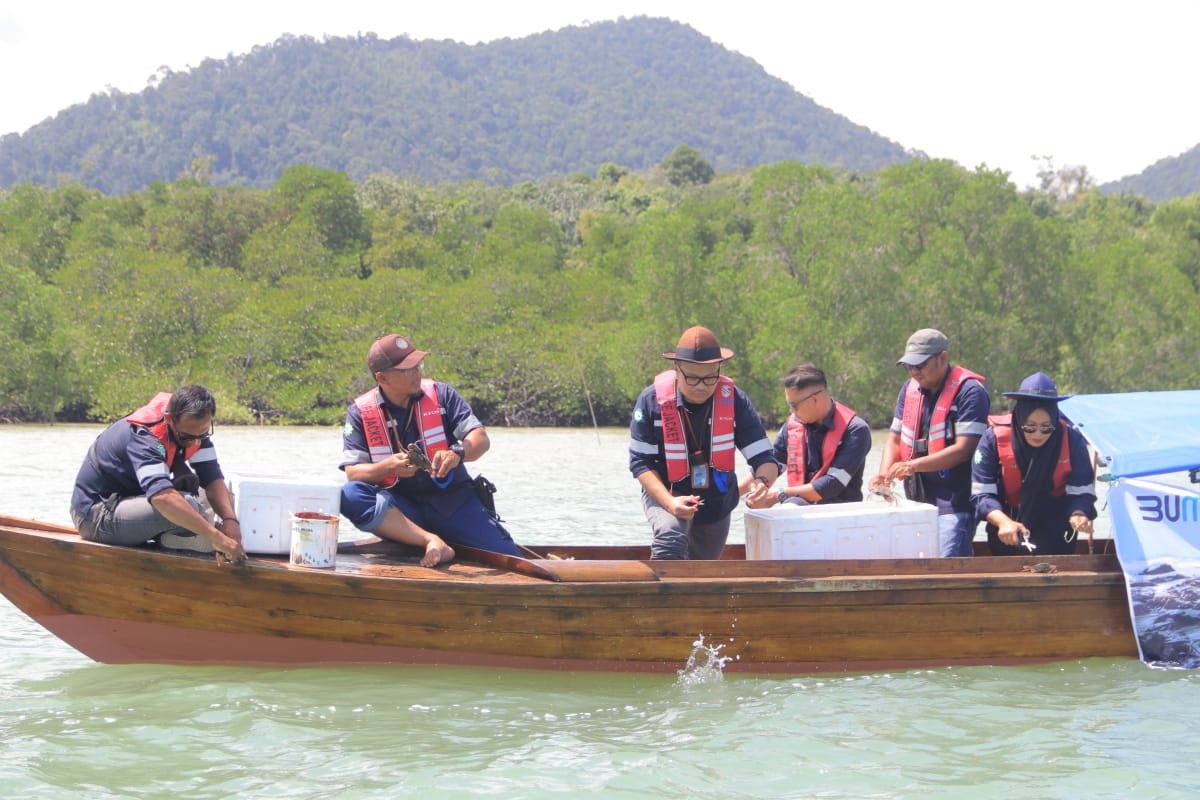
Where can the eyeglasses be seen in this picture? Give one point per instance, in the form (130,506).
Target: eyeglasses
(184,438)
(1044,430)
(806,398)
(696,380)
(920,367)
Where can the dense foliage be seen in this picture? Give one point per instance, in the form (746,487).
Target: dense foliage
(551,302)
(529,109)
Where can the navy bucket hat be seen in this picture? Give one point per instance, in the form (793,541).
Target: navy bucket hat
(1038,386)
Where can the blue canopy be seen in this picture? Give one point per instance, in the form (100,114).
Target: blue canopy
(1140,433)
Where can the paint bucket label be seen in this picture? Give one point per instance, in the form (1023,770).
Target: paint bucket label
(314,539)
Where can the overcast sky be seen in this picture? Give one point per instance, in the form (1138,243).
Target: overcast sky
(1106,85)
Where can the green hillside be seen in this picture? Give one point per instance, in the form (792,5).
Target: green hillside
(1164,179)
(625,92)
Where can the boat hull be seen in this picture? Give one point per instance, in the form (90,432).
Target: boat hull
(601,610)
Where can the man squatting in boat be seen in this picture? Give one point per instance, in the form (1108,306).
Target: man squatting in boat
(136,484)
(683,433)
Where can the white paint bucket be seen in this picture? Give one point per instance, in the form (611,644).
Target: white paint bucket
(314,539)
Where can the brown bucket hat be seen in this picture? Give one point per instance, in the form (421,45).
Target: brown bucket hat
(698,345)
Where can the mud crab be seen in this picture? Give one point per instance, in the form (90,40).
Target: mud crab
(885,492)
(418,459)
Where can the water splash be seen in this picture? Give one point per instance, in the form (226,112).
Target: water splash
(704,665)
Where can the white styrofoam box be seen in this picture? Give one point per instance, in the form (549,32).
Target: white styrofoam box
(264,505)
(904,529)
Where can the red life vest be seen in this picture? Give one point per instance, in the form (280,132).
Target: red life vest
(797,452)
(914,402)
(379,440)
(152,418)
(675,448)
(1010,474)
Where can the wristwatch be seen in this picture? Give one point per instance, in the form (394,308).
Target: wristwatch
(459,451)
(782,496)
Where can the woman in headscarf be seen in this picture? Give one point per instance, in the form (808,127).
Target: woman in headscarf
(1032,481)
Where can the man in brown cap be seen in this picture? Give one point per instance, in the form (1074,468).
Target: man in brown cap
(404,445)
(685,428)
(941,414)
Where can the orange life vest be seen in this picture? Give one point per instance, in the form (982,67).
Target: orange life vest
(1010,474)
(429,423)
(675,448)
(152,418)
(914,402)
(797,452)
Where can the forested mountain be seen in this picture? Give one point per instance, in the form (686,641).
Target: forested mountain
(626,92)
(1168,177)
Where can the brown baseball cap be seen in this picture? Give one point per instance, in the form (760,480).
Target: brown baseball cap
(393,352)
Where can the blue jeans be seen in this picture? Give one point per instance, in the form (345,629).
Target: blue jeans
(956,532)
(455,514)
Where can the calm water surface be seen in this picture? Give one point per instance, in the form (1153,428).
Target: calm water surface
(71,728)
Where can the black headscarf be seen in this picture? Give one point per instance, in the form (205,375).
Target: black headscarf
(1036,463)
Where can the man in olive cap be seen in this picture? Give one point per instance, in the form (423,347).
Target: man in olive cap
(685,428)
(941,414)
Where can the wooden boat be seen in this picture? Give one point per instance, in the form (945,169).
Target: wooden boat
(596,608)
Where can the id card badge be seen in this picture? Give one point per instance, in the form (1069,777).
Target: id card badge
(699,476)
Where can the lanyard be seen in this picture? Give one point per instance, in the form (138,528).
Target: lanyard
(691,432)
(395,432)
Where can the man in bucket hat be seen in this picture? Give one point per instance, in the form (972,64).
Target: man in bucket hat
(685,428)
(940,415)
(424,498)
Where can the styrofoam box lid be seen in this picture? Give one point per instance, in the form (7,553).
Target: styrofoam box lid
(908,508)
(250,479)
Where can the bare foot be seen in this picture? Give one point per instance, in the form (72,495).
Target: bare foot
(436,552)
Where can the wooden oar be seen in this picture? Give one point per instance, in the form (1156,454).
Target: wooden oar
(530,552)
(521,566)
(575,570)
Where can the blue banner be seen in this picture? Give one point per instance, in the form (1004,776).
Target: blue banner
(1157,530)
